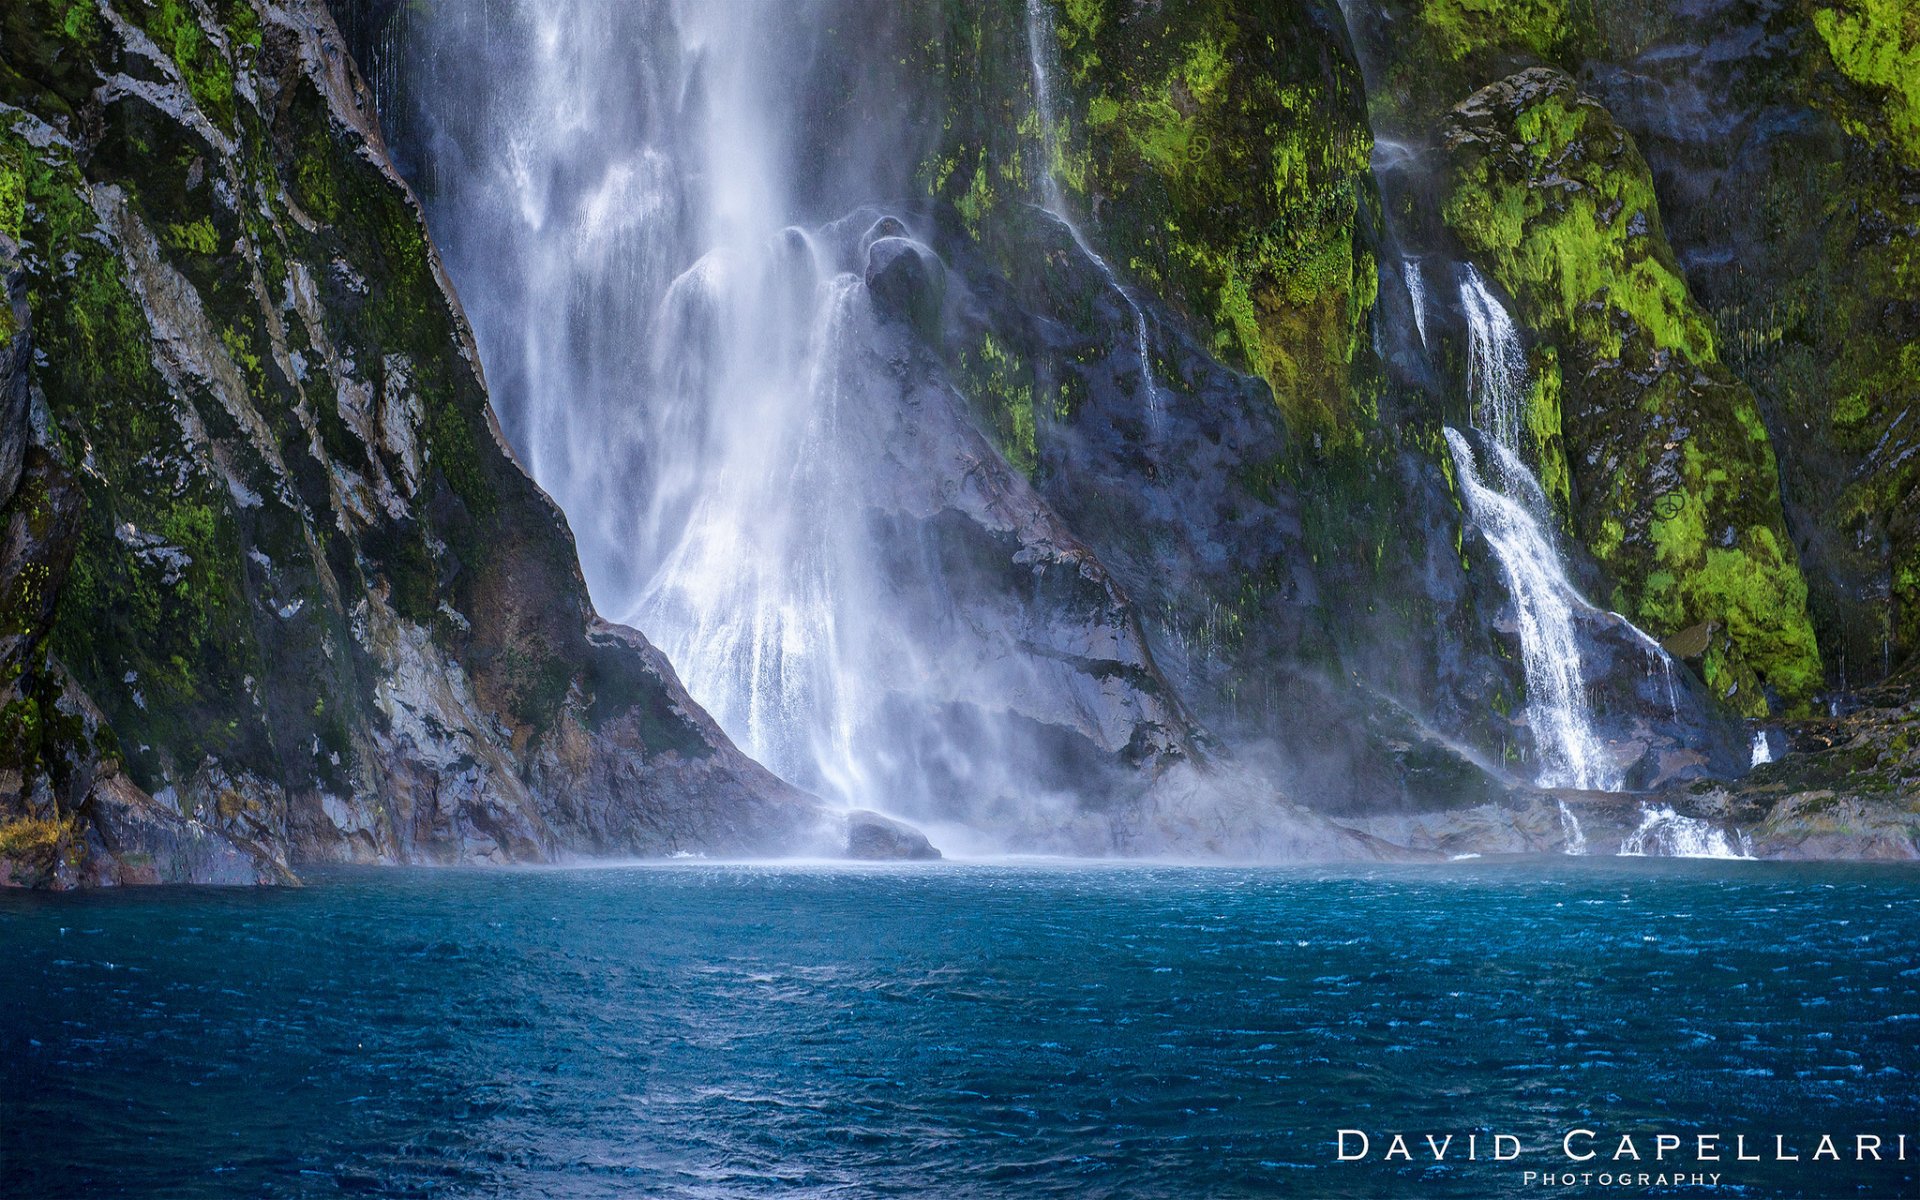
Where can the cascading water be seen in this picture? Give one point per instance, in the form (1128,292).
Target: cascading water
(1510,509)
(1570,753)
(673,357)
(1664,833)
(1040,52)
(1575,838)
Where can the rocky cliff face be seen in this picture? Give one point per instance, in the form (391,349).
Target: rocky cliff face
(1154,418)
(277,592)
(1175,296)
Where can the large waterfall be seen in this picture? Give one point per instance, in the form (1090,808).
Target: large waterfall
(713,331)
(633,205)
(1512,511)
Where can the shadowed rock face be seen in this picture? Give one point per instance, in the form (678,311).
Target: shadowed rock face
(315,611)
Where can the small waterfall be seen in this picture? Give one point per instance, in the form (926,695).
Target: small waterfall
(1417,295)
(1664,833)
(1762,749)
(1657,660)
(1039,55)
(1509,508)
(1570,753)
(1576,838)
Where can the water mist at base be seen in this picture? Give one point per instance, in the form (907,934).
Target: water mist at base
(717,342)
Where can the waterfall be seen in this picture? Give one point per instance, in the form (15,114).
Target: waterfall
(1040,45)
(629,196)
(1576,838)
(1511,511)
(1762,749)
(1664,833)
(1417,295)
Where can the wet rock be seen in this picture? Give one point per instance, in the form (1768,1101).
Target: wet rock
(908,282)
(873,836)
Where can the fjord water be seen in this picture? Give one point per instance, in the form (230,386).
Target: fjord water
(962,1030)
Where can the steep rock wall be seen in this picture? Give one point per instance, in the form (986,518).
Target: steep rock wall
(314,610)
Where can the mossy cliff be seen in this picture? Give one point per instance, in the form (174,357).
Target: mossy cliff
(1279,507)
(314,609)
(1780,142)
(1218,152)
(1672,472)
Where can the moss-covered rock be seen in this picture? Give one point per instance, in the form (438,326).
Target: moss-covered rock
(1216,152)
(1673,473)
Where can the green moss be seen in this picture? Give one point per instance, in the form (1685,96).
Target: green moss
(314,182)
(13,187)
(197,237)
(198,52)
(1459,28)
(1001,386)
(1214,151)
(1544,431)
(1876,43)
(1568,216)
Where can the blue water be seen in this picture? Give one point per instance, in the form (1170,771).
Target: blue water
(951,1030)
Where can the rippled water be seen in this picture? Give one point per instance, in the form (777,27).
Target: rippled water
(947,1031)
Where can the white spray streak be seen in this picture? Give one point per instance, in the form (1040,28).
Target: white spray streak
(1664,833)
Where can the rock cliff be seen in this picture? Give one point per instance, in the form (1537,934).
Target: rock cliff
(277,592)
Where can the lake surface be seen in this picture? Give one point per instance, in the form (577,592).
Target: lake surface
(957,1030)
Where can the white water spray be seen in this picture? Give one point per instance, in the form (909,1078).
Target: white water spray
(1664,833)
(1762,749)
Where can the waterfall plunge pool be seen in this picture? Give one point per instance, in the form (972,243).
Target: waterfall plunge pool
(1078,1030)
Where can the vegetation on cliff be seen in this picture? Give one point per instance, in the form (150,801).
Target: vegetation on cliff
(1674,474)
(315,610)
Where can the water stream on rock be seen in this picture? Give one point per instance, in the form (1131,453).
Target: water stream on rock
(1511,510)
(1040,54)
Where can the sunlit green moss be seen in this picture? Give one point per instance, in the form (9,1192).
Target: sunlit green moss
(1002,386)
(1680,503)
(1876,43)
(176,28)
(1461,27)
